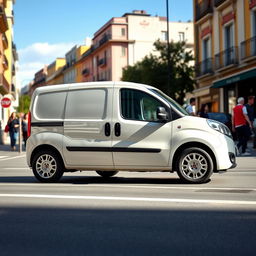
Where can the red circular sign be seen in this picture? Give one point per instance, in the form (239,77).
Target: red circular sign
(6,102)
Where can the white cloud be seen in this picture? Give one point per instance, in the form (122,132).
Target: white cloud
(35,56)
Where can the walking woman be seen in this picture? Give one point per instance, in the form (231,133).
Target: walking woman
(25,129)
(13,124)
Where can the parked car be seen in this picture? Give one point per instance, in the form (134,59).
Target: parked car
(120,126)
(224,118)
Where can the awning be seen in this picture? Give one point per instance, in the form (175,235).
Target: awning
(235,78)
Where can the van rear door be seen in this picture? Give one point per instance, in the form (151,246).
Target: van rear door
(87,135)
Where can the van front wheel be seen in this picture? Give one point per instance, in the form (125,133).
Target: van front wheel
(47,166)
(194,165)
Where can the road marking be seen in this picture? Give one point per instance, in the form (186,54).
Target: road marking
(123,186)
(16,168)
(3,157)
(140,199)
(14,157)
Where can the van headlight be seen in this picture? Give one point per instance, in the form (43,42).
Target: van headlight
(219,127)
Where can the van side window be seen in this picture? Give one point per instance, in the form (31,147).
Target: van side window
(51,105)
(140,106)
(86,104)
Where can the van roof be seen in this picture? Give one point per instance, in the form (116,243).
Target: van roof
(61,87)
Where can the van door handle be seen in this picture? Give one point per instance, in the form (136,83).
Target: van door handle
(117,129)
(107,129)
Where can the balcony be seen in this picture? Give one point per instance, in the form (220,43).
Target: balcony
(218,2)
(4,86)
(5,41)
(204,68)
(226,58)
(86,72)
(3,19)
(203,8)
(5,62)
(102,62)
(248,48)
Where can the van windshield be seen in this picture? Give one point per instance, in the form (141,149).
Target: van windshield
(172,102)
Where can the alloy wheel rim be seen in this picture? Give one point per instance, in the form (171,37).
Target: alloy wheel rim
(46,166)
(194,166)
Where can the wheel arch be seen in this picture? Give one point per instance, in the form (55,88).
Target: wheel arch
(45,147)
(193,144)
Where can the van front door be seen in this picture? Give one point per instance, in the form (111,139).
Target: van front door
(87,134)
(140,138)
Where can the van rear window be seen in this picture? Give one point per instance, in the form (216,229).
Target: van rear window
(50,105)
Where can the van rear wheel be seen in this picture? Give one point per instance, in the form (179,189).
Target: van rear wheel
(47,166)
(194,165)
(107,174)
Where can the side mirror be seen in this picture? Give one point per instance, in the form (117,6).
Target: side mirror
(162,114)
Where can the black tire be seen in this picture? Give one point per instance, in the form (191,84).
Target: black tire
(47,166)
(194,165)
(107,174)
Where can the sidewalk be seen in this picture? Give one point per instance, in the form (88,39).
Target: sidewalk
(7,148)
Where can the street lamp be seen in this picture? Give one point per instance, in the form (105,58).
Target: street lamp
(168,50)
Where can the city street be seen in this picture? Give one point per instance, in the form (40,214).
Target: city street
(129,214)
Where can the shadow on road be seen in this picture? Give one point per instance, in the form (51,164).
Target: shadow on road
(97,180)
(99,231)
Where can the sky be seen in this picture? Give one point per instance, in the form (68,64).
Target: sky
(45,30)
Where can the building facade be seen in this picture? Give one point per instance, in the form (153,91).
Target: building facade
(122,41)
(125,40)
(225,47)
(8,60)
(55,72)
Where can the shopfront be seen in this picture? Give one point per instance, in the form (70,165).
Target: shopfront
(242,84)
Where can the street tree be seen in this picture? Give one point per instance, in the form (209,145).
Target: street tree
(24,103)
(152,70)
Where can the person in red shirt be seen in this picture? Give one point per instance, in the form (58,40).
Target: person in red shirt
(241,125)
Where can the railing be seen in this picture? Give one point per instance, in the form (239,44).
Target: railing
(4,83)
(5,40)
(226,58)
(5,61)
(203,8)
(248,48)
(218,2)
(204,67)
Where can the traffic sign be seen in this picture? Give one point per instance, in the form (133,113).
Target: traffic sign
(6,102)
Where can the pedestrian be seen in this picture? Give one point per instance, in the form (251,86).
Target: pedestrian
(191,107)
(13,124)
(25,128)
(204,111)
(251,114)
(240,125)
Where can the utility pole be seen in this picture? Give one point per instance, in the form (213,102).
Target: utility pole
(168,50)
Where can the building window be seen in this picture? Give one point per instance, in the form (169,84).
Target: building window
(228,34)
(229,53)
(253,40)
(206,48)
(123,31)
(123,51)
(164,36)
(181,36)
(254,23)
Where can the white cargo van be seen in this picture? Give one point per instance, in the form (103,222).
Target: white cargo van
(120,126)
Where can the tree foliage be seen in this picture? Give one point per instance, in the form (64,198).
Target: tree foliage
(24,103)
(152,70)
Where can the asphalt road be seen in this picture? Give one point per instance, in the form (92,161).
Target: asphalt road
(129,214)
